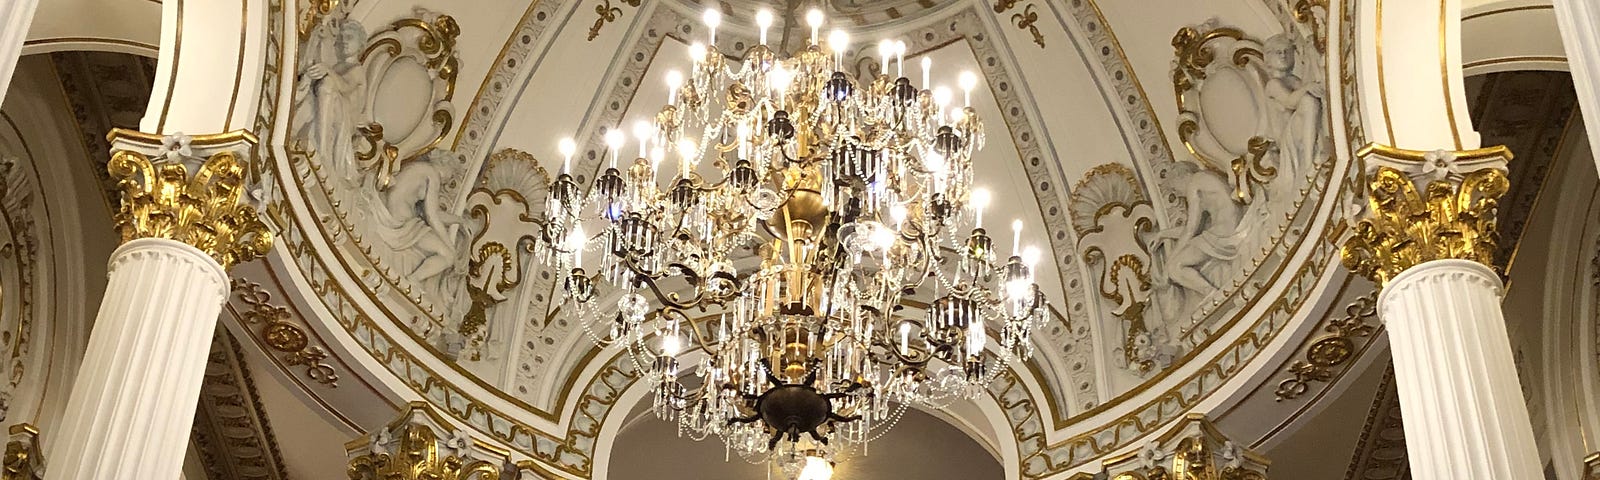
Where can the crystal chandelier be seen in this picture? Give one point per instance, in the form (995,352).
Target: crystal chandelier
(856,196)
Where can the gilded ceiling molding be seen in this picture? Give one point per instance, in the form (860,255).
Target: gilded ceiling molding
(505,202)
(1425,206)
(1332,350)
(24,460)
(188,189)
(19,261)
(607,14)
(1027,19)
(1192,450)
(1381,450)
(283,332)
(1109,212)
(231,432)
(421,445)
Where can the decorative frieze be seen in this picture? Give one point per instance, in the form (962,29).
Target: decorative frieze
(188,189)
(1425,206)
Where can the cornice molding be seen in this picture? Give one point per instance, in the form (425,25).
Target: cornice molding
(231,431)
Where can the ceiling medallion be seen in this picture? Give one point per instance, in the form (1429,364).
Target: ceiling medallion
(826,269)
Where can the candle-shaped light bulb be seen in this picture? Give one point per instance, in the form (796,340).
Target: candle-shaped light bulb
(568,148)
(838,41)
(975,338)
(657,155)
(885,50)
(781,78)
(927,69)
(1030,257)
(575,243)
(764,22)
(814,20)
(743,132)
(900,59)
(686,153)
(1016,236)
(671,346)
(697,52)
(968,81)
(980,201)
(642,131)
(898,213)
(713,19)
(905,338)
(615,139)
(674,80)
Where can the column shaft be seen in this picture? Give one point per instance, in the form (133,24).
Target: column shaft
(133,401)
(1465,417)
(1578,20)
(15,17)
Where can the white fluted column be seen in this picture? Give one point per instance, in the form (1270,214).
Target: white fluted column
(15,17)
(1427,237)
(133,403)
(1465,417)
(1579,20)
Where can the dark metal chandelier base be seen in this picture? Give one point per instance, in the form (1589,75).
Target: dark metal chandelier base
(794,408)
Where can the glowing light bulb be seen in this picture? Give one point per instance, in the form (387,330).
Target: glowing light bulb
(941,97)
(927,69)
(882,238)
(814,20)
(781,78)
(1030,256)
(816,469)
(674,80)
(764,21)
(643,130)
(980,201)
(713,19)
(568,147)
(575,243)
(687,151)
(900,59)
(671,346)
(838,41)
(615,139)
(1016,236)
(885,50)
(697,52)
(968,81)
(898,213)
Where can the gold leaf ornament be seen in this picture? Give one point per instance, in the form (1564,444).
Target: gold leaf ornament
(1406,227)
(196,201)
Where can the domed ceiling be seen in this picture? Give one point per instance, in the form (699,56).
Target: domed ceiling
(1175,158)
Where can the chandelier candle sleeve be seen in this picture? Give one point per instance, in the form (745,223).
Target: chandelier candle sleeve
(833,234)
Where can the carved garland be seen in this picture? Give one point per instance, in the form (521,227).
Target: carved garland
(1332,350)
(277,327)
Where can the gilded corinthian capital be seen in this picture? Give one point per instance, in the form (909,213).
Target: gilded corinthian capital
(1193,450)
(188,189)
(24,459)
(422,445)
(1425,206)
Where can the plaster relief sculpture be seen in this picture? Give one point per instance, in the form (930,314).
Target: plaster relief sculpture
(1252,111)
(1111,215)
(330,94)
(1194,259)
(370,114)
(501,250)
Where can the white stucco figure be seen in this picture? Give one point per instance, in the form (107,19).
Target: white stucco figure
(1191,259)
(330,96)
(1297,100)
